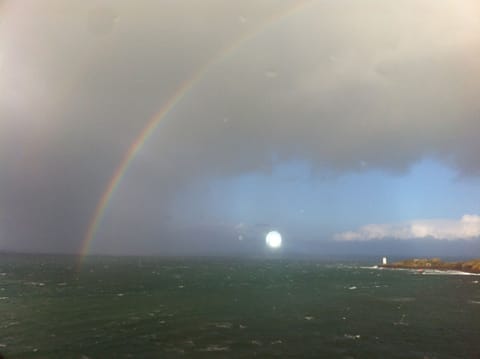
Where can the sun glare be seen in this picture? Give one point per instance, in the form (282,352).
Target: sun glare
(274,239)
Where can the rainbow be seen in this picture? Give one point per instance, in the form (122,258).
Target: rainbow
(181,91)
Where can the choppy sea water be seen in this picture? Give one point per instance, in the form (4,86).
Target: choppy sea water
(232,308)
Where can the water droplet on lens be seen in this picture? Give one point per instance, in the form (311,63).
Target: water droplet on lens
(271,74)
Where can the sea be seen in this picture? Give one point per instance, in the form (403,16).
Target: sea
(151,307)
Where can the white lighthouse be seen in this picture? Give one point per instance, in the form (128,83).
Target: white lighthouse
(384,260)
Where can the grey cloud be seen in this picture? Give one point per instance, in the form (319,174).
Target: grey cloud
(345,86)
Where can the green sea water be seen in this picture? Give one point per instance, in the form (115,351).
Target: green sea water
(232,308)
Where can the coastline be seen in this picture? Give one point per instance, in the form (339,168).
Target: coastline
(435,264)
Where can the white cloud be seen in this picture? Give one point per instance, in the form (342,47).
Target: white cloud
(467,227)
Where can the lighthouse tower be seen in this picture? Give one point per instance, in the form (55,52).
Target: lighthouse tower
(384,260)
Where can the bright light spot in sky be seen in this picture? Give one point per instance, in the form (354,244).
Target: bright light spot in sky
(274,239)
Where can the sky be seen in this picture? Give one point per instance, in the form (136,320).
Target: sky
(186,127)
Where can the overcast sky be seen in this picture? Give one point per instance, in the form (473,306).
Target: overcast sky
(349,126)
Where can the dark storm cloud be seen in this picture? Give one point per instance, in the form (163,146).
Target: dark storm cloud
(344,86)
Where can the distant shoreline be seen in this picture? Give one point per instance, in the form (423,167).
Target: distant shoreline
(471,266)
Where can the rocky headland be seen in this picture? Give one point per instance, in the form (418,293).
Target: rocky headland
(470,266)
